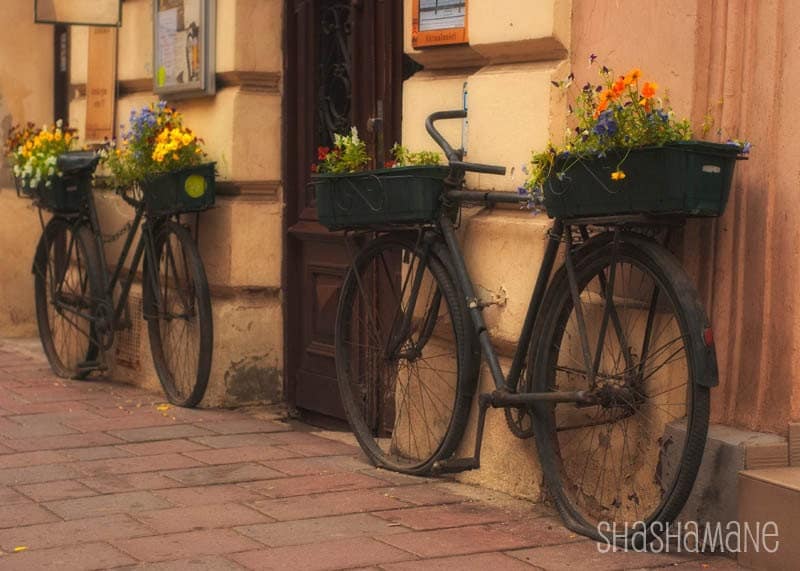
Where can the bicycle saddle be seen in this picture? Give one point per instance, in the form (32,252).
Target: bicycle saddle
(76,161)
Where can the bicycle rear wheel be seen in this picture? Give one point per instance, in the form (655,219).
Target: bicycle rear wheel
(67,287)
(179,322)
(621,468)
(405,363)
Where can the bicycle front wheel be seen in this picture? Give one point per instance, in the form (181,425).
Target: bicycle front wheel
(621,467)
(67,287)
(404,356)
(178,313)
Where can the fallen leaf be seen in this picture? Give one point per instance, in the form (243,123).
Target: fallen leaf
(163,407)
(20,548)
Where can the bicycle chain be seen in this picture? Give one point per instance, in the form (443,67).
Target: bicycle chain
(108,238)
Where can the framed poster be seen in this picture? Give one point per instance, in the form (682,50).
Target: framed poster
(438,23)
(78,12)
(184,47)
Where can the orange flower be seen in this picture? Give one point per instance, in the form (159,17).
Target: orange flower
(633,76)
(601,106)
(619,86)
(617,175)
(649,89)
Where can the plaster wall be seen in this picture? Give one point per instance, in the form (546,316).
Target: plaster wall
(26,94)
(513,55)
(240,239)
(732,64)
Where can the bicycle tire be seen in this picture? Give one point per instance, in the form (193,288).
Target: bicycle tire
(183,370)
(390,429)
(665,462)
(67,335)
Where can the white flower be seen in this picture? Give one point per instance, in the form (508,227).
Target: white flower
(49,183)
(51,171)
(17,170)
(59,123)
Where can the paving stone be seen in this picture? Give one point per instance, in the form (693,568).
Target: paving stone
(20,407)
(186,545)
(397,479)
(205,563)
(245,425)
(98,453)
(47,535)
(96,506)
(323,556)
(438,517)
(595,556)
(455,541)
(206,495)
(84,557)
(323,465)
(52,393)
(482,561)
(161,447)
(124,424)
(175,520)
(703,563)
(159,433)
(111,483)
(237,440)
(426,494)
(9,496)
(136,464)
(36,474)
(316,484)
(325,448)
(62,442)
(241,454)
(49,491)
(319,529)
(42,427)
(223,474)
(20,514)
(537,530)
(31,458)
(321,505)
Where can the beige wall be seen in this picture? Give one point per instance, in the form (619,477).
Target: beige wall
(516,48)
(26,94)
(240,239)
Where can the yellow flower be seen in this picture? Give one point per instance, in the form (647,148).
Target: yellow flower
(617,175)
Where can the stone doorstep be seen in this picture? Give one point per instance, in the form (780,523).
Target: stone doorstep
(770,495)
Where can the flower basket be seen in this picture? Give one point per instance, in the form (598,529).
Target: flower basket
(64,195)
(401,195)
(191,189)
(692,178)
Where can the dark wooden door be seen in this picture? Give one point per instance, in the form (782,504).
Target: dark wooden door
(343,69)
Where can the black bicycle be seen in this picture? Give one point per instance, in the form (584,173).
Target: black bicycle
(77,311)
(611,373)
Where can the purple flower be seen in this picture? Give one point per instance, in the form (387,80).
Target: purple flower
(592,57)
(606,125)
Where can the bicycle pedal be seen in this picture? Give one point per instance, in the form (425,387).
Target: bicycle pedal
(88,366)
(454,465)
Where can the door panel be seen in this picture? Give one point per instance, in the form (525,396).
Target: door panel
(343,68)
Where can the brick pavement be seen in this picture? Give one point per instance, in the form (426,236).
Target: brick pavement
(94,476)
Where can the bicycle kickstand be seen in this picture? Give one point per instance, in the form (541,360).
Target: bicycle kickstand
(453,465)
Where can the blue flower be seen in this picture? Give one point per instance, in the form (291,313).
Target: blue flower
(606,125)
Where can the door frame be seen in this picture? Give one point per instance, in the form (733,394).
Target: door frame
(299,94)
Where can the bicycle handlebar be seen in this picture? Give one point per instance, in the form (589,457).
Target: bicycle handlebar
(453,156)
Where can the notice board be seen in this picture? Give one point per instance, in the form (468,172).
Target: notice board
(438,23)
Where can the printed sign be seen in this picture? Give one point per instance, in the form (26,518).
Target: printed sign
(101,83)
(184,51)
(438,22)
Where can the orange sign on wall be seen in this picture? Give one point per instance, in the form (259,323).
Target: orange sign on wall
(438,23)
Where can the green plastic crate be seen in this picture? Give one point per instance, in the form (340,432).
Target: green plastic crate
(402,195)
(65,195)
(692,178)
(187,190)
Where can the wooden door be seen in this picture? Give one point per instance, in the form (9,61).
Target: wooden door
(343,68)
